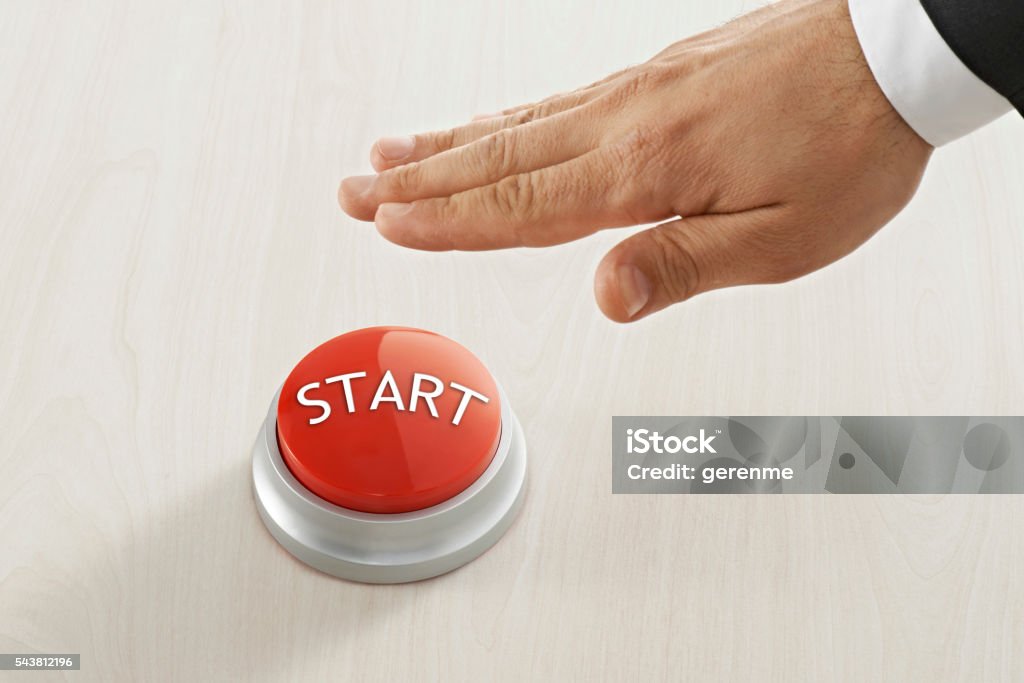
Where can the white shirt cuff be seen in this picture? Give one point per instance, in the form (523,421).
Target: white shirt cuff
(939,97)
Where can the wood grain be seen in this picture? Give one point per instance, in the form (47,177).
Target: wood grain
(171,246)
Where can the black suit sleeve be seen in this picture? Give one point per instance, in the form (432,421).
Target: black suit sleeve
(988,37)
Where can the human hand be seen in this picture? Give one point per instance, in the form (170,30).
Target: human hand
(766,142)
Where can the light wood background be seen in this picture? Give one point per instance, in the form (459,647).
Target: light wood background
(171,247)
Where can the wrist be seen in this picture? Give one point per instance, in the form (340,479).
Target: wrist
(920,75)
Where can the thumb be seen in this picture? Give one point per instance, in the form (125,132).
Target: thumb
(674,261)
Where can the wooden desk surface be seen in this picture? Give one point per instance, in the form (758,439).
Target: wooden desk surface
(171,246)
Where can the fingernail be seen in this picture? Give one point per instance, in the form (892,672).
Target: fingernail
(396,149)
(393,210)
(634,289)
(357,185)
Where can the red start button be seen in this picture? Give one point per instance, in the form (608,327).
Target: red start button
(388,419)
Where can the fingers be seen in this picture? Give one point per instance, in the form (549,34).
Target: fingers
(673,262)
(505,153)
(584,94)
(555,104)
(394,151)
(543,207)
(390,152)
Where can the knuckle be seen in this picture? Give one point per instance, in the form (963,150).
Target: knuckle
(518,108)
(445,211)
(496,154)
(546,108)
(623,199)
(514,196)
(643,154)
(402,181)
(645,78)
(635,175)
(678,270)
(640,81)
(525,116)
(639,146)
(444,139)
(660,72)
(556,104)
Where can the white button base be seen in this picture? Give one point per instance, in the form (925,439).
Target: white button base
(390,548)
